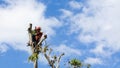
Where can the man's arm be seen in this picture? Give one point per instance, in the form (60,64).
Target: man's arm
(44,36)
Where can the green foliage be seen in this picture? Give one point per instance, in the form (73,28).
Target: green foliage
(75,62)
(33,57)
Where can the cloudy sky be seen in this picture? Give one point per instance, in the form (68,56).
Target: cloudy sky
(85,29)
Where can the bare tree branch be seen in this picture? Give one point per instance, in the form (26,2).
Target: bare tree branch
(58,61)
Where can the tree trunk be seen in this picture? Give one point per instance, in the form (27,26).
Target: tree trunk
(36,64)
(31,44)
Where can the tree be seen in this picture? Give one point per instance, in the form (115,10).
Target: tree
(54,60)
(75,63)
(34,56)
(39,48)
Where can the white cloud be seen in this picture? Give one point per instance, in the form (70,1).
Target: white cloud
(67,50)
(86,38)
(15,18)
(93,61)
(101,50)
(75,5)
(98,22)
(3,48)
(66,13)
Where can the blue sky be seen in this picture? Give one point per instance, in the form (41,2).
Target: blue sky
(84,29)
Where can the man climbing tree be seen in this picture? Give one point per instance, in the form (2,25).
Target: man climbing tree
(35,42)
(38,34)
(36,37)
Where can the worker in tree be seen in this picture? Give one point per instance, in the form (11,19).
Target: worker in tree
(38,34)
(38,39)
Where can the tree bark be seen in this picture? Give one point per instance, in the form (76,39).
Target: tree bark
(36,64)
(31,44)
